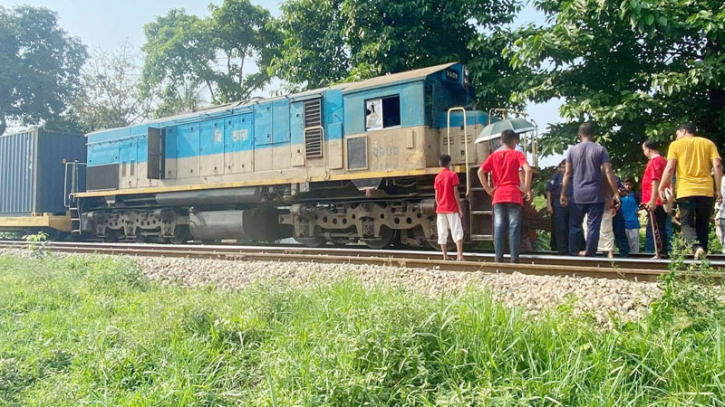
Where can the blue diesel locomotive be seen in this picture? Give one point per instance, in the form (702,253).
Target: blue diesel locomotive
(354,162)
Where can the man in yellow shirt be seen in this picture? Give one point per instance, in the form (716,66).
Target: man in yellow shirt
(695,158)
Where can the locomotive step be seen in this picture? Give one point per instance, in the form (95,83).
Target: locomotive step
(481,237)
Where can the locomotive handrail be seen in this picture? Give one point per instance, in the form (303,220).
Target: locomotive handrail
(465,143)
(74,181)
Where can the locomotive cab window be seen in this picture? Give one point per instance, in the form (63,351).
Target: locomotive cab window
(382,113)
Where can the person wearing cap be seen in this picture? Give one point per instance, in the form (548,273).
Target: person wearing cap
(696,159)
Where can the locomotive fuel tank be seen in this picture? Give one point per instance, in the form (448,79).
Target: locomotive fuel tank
(258,224)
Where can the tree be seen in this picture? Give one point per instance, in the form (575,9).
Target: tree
(183,99)
(110,93)
(314,52)
(39,66)
(328,41)
(182,49)
(636,67)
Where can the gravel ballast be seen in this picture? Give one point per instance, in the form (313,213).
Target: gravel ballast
(602,298)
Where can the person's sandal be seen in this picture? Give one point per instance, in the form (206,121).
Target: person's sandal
(699,253)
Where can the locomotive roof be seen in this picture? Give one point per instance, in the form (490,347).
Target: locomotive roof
(349,87)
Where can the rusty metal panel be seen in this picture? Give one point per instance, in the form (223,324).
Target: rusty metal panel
(32,170)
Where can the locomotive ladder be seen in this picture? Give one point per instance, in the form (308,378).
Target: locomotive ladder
(480,210)
(71,186)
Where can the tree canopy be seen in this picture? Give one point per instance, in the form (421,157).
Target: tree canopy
(328,41)
(39,66)
(183,49)
(635,67)
(109,94)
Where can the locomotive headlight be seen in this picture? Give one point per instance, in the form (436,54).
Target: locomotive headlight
(466,77)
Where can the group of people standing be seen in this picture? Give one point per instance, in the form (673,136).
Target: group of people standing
(591,208)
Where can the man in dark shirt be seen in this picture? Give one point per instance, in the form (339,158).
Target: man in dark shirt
(559,214)
(584,166)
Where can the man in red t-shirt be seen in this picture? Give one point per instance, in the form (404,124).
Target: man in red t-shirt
(504,166)
(656,214)
(448,208)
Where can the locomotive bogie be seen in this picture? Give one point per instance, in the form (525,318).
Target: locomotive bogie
(135,224)
(372,223)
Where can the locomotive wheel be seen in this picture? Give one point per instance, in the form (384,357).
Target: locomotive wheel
(181,235)
(387,236)
(313,242)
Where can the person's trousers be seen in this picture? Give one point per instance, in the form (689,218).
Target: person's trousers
(561,228)
(633,238)
(594,214)
(507,216)
(666,234)
(620,234)
(721,234)
(660,243)
(695,214)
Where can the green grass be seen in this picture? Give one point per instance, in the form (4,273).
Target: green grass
(93,332)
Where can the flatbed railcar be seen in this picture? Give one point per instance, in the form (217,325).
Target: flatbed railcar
(354,162)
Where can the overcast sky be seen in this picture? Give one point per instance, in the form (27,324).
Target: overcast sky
(106,23)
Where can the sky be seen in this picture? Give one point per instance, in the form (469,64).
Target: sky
(104,24)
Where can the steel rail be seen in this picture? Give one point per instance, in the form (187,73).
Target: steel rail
(645,270)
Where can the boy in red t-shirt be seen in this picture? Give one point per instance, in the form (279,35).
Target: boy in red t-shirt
(508,205)
(656,214)
(448,208)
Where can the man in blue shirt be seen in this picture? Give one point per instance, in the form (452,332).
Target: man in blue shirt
(630,208)
(559,214)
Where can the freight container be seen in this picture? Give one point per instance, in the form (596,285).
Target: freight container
(32,173)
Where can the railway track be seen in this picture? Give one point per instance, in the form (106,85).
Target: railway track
(639,269)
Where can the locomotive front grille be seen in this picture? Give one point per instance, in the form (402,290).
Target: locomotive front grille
(102,177)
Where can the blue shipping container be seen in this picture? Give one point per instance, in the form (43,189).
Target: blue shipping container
(32,170)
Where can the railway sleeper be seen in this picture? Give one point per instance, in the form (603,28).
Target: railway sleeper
(377,224)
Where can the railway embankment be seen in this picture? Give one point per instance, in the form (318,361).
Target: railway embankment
(604,300)
(115,330)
